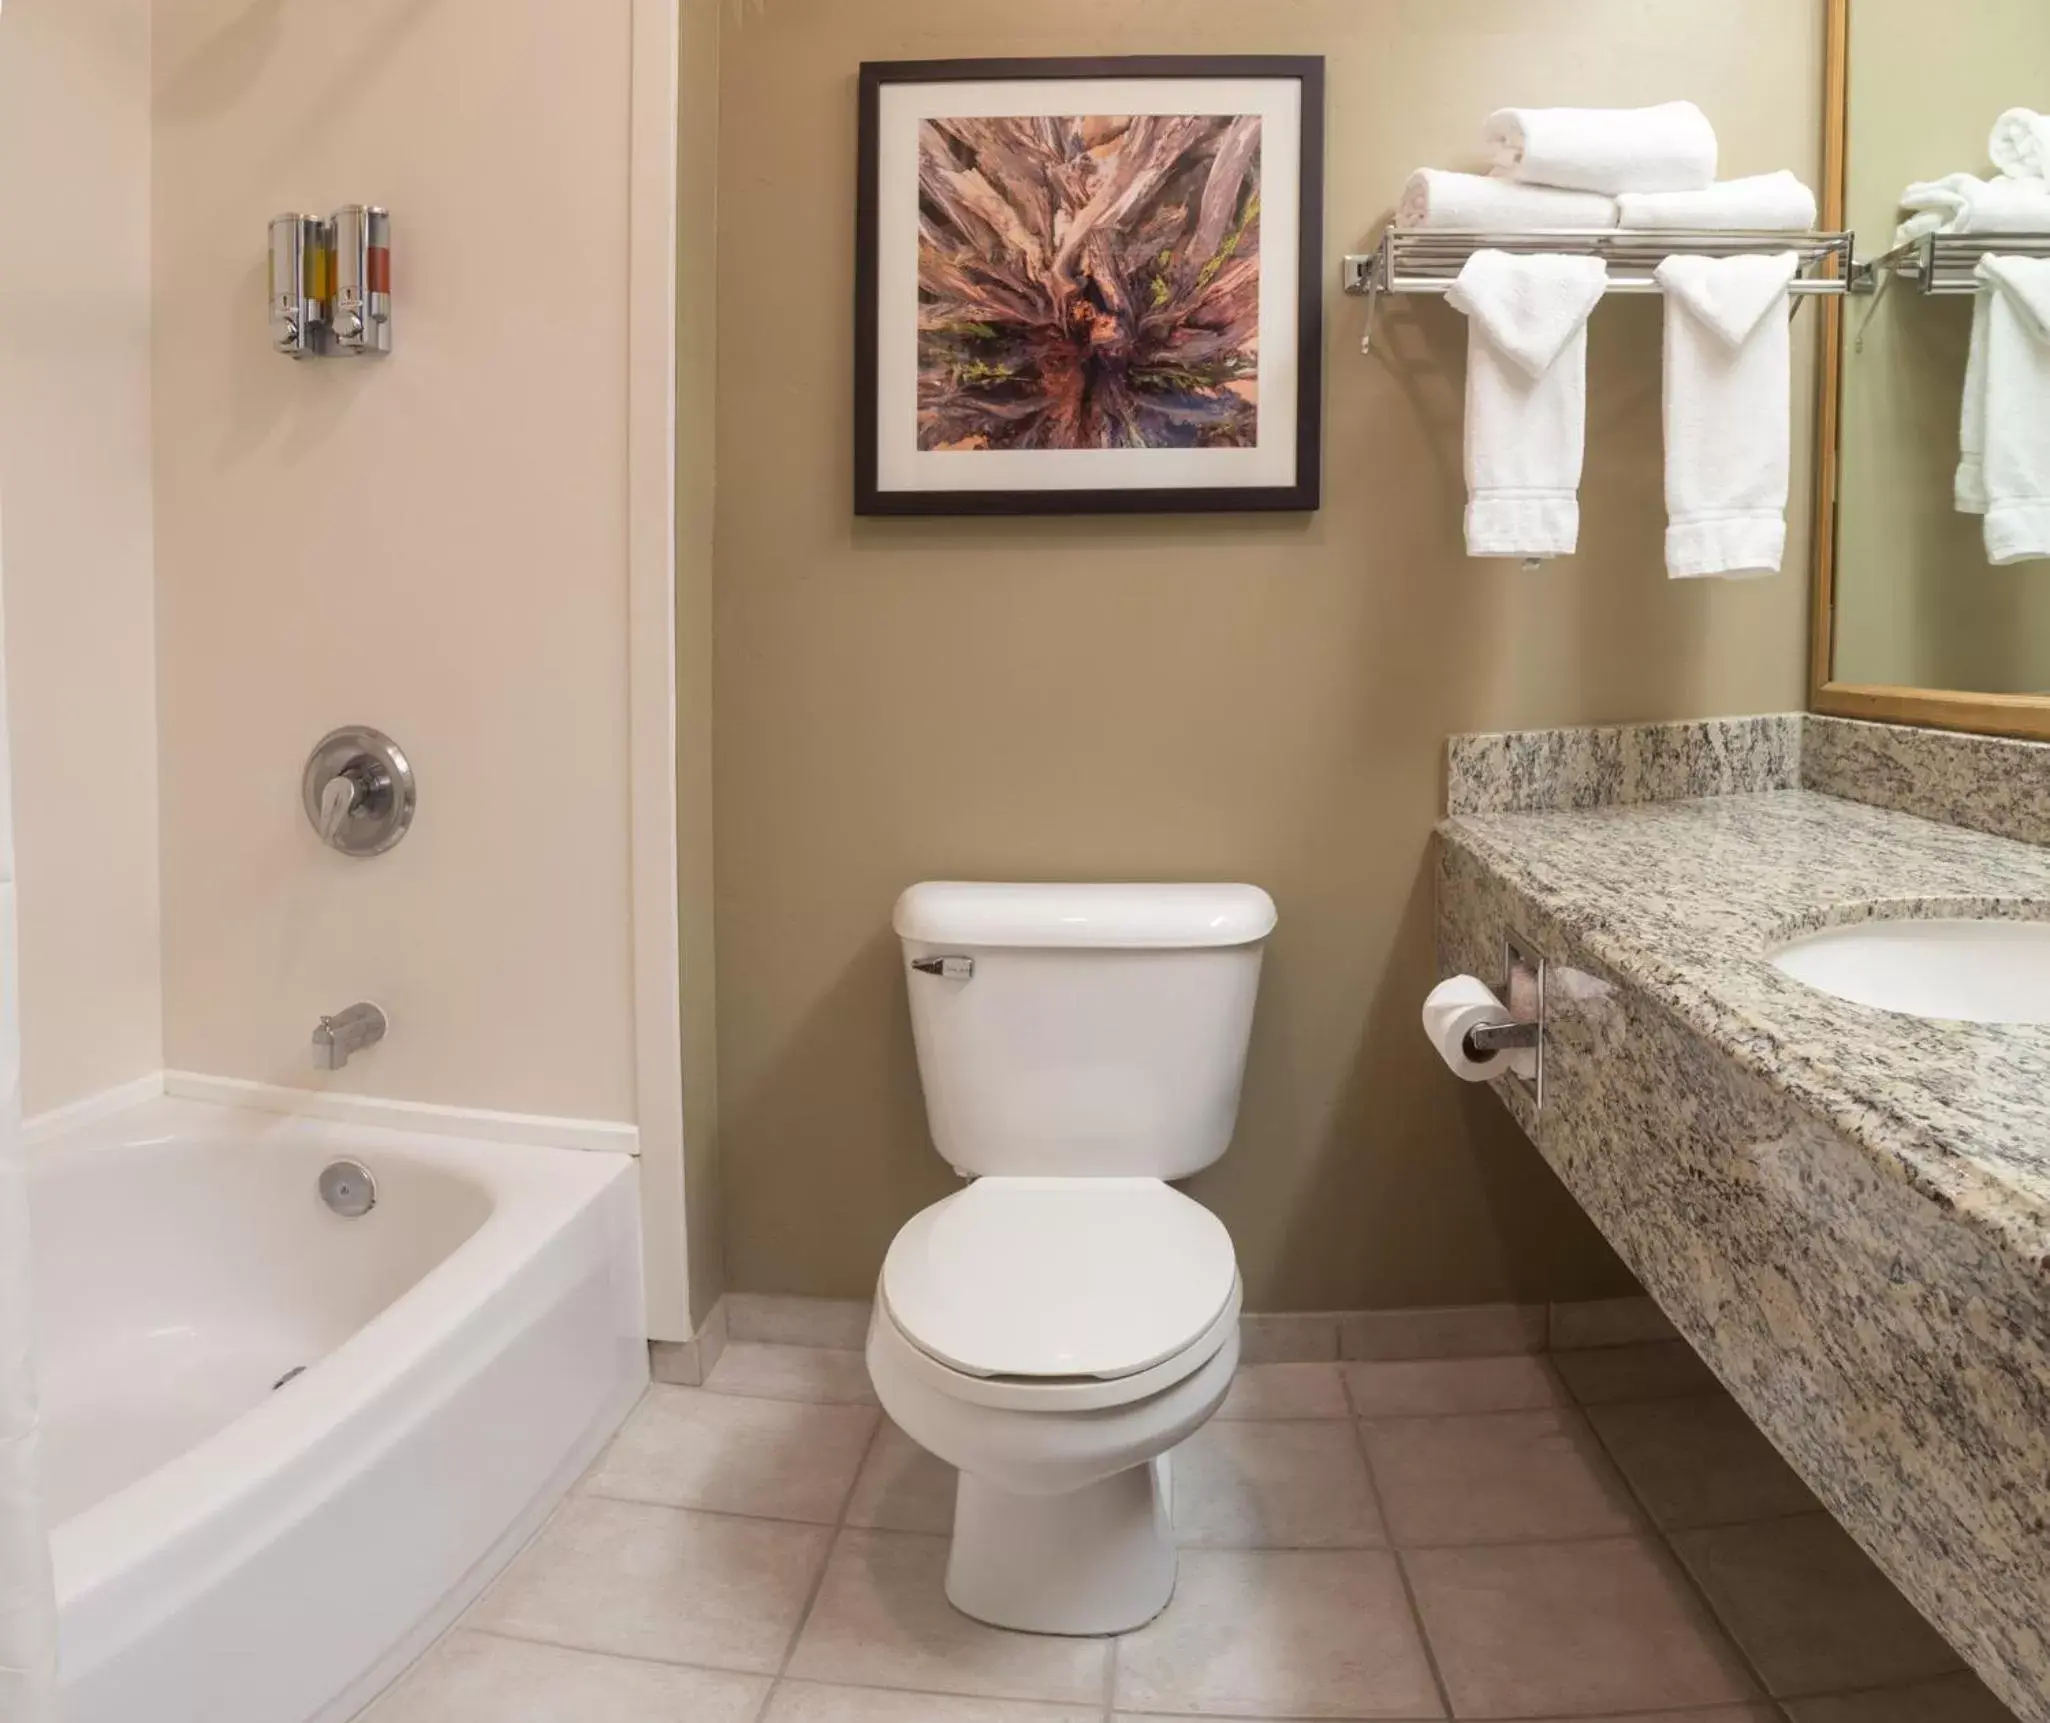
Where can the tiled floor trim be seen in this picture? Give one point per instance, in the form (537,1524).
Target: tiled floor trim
(1519,1537)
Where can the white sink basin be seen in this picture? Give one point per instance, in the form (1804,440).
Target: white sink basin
(1959,971)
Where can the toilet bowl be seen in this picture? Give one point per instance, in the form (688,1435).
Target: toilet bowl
(1056,1328)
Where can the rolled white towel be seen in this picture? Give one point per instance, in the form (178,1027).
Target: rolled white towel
(1667,148)
(1767,202)
(1964,203)
(1475,203)
(2020,146)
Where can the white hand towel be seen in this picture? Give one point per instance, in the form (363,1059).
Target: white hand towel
(1526,398)
(1478,203)
(1728,411)
(1668,148)
(2020,146)
(1964,203)
(1763,203)
(2017,407)
(1970,486)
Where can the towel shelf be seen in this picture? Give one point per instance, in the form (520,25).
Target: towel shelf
(1429,259)
(1943,264)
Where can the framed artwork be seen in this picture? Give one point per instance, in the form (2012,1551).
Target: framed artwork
(1089,286)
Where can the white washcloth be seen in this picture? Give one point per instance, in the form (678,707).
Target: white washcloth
(1526,398)
(1763,203)
(1479,203)
(2017,386)
(1965,203)
(1970,485)
(1668,148)
(1728,410)
(2020,146)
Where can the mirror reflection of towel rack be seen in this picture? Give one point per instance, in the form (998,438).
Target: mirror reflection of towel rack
(1940,265)
(1428,260)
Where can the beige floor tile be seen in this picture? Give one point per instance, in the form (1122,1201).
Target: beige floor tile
(1426,1388)
(1660,1369)
(808,1702)
(1298,1339)
(1286,1391)
(902,1488)
(1809,1608)
(817,1373)
(1578,1629)
(480,1678)
(1281,1633)
(780,1321)
(1500,1477)
(1954,1699)
(692,1449)
(1714,1714)
(1291,1485)
(882,1620)
(1460,1331)
(659,1582)
(1607,1322)
(1699,1461)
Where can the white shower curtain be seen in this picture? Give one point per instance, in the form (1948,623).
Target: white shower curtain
(28,1608)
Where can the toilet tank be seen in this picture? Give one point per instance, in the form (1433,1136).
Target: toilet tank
(1082,1030)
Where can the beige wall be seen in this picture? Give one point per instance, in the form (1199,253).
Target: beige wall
(697,366)
(75,500)
(1917,602)
(434,544)
(1263,699)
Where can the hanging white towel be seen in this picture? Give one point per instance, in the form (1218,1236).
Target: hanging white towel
(1965,203)
(1671,147)
(2017,391)
(1970,486)
(1479,203)
(1728,412)
(2020,145)
(1763,203)
(1526,398)
(28,1610)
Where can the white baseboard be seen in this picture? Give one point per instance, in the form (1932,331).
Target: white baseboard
(536,1130)
(90,1109)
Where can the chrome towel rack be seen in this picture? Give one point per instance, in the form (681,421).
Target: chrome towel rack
(1429,259)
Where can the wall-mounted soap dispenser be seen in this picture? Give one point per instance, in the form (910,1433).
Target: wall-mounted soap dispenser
(330,283)
(298,284)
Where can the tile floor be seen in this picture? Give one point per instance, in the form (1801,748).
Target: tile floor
(1592,1534)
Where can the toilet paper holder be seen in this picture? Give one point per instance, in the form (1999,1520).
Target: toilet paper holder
(1523,991)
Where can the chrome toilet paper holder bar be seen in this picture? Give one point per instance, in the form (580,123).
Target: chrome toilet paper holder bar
(1523,991)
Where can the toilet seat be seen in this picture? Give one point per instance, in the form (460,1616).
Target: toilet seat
(1037,1282)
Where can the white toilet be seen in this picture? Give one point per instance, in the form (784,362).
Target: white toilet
(1055,1328)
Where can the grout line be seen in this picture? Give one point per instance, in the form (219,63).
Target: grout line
(818,1584)
(1416,1614)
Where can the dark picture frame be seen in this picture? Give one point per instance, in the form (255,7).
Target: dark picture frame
(1168,419)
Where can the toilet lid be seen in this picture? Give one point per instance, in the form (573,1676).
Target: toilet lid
(1059,1277)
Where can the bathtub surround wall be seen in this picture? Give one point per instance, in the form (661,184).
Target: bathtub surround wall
(1259,699)
(75,479)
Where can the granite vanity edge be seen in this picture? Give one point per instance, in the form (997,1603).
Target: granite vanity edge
(1533,771)
(1994,784)
(1939,1172)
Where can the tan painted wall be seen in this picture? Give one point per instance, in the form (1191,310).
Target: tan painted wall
(697,370)
(1227,698)
(1917,602)
(435,544)
(75,500)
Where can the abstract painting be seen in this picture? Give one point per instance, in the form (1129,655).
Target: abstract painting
(1088,285)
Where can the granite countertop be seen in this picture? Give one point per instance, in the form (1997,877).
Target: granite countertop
(1684,899)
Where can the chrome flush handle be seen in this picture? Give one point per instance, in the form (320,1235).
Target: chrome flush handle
(946,968)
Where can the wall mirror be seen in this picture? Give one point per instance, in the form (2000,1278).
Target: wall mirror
(1925,612)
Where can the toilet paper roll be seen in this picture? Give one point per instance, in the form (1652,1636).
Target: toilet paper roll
(1454,1007)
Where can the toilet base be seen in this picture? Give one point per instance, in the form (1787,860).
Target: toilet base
(1097,1561)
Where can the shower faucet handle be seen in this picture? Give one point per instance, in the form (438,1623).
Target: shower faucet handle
(358,791)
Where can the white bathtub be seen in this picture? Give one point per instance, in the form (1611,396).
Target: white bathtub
(228,1552)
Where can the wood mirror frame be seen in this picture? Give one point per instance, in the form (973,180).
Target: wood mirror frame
(1944,709)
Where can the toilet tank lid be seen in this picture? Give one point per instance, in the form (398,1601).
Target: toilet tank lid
(1153,917)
